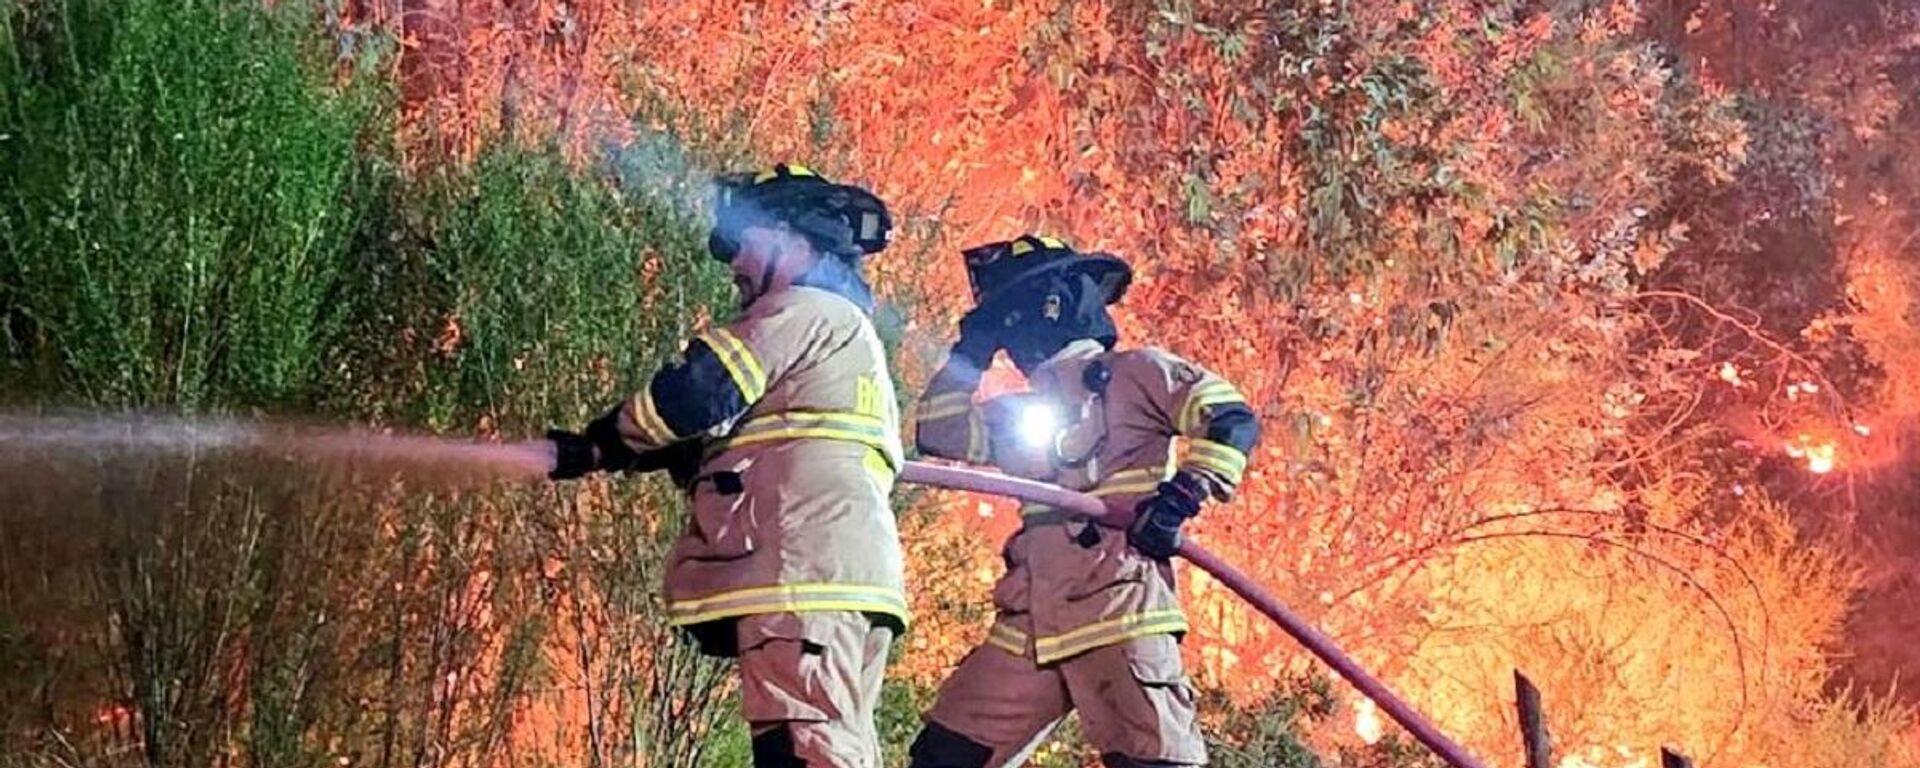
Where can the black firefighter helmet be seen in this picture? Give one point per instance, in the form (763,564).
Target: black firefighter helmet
(837,219)
(1004,270)
(1043,295)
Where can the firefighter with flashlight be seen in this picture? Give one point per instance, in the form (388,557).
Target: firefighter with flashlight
(1088,617)
(783,429)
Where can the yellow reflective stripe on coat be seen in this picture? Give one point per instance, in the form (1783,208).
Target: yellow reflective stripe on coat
(871,431)
(1036,509)
(876,464)
(739,361)
(1207,394)
(789,598)
(978,451)
(1007,638)
(1220,458)
(945,406)
(1126,481)
(1108,632)
(646,422)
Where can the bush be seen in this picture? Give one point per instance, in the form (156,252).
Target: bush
(183,187)
(197,220)
(522,293)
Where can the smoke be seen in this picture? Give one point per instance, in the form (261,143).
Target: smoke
(654,168)
(657,169)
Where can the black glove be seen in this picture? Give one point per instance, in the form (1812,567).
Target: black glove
(573,455)
(979,338)
(1157,520)
(598,449)
(604,432)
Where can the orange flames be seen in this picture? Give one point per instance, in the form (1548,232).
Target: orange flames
(1821,457)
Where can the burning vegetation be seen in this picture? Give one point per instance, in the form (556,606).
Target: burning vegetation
(1584,336)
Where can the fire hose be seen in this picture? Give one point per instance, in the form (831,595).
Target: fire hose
(956,478)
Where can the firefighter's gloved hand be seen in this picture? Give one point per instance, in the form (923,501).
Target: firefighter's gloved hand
(598,449)
(573,455)
(1156,525)
(613,452)
(979,338)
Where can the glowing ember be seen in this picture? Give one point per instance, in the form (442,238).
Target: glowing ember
(1366,722)
(1820,458)
(1862,430)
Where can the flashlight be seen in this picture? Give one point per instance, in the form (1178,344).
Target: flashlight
(1037,424)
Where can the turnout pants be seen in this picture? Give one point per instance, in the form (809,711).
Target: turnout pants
(1136,707)
(809,685)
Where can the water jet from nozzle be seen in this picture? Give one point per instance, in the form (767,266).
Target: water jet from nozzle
(33,443)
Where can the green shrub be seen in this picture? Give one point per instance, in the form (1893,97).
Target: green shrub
(182,188)
(520,293)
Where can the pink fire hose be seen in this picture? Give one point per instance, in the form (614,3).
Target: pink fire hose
(991,483)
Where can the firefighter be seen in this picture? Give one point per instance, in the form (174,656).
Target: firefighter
(1087,616)
(783,429)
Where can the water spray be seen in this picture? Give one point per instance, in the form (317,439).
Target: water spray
(31,438)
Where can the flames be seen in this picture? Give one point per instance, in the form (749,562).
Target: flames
(1821,457)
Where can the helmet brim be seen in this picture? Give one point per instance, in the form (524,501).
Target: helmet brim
(1110,273)
(810,205)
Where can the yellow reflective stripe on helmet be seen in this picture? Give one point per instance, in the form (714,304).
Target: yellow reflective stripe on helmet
(645,419)
(1209,393)
(1223,459)
(945,406)
(789,598)
(1109,632)
(1031,243)
(739,361)
(785,170)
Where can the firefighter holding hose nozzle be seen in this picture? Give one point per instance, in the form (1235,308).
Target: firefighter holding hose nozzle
(1088,617)
(783,429)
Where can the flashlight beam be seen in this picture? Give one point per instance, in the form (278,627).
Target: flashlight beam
(960,479)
